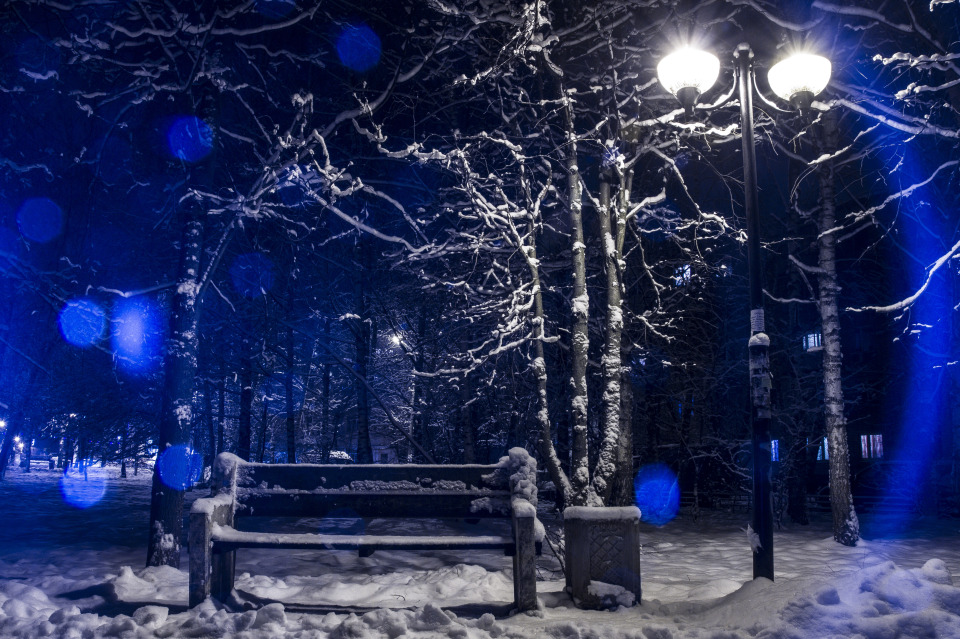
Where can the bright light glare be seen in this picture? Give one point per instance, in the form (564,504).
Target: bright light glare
(688,68)
(799,72)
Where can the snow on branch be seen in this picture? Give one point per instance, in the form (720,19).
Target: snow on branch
(909,301)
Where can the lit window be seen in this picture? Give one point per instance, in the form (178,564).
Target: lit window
(812,342)
(775,450)
(682,274)
(823,451)
(871,446)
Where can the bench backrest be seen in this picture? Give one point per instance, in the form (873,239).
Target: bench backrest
(374,490)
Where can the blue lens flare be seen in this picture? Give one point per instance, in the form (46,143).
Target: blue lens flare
(40,219)
(136,337)
(358,47)
(82,322)
(190,139)
(924,410)
(252,275)
(657,494)
(179,467)
(82,491)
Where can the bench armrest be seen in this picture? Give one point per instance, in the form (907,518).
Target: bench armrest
(206,513)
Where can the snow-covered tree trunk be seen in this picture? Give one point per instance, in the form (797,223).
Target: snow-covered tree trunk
(611,365)
(579,336)
(846,528)
(180,366)
(547,450)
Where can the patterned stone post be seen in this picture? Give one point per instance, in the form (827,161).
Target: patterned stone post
(602,555)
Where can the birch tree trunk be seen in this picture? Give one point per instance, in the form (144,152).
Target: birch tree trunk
(846,527)
(611,365)
(579,337)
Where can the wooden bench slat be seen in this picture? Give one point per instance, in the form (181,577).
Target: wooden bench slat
(228,538)
(439,504)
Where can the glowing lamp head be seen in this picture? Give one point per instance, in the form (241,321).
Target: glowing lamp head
(688,73)
(799,78)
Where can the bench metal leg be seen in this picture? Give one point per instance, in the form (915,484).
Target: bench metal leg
(199,545)
(222,574)
(524,565)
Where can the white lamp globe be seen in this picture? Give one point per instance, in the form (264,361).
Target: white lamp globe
(802,75)
(688,68)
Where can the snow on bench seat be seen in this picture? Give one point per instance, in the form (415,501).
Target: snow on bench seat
(472,491)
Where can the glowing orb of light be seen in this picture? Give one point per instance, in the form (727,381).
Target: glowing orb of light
(252,274)
(81,492)
(136,337)
(82,322)
(358,47)
(657,494)
(40,219)
(190,139)
(179,467)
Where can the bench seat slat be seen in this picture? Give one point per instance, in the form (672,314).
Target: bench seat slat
(435,504)
(229,538)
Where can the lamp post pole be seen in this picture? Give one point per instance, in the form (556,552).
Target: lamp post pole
(687,73)
(759,360)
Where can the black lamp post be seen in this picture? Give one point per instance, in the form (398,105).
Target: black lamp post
(687,74)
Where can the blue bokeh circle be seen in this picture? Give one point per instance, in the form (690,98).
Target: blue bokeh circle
(657,494)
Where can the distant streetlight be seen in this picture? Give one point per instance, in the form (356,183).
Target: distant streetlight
(687,74)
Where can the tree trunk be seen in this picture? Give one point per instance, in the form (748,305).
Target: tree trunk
(467,425)
(580,337)
(288,389)
(611,365)
(622,493)
(123,451)
(6,451)
(417,426)
(180,365)
(362,350)
(846,528)
(221,409)
(208,418)
(262,442)
(245,425)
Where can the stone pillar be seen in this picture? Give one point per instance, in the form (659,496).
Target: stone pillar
(602,555)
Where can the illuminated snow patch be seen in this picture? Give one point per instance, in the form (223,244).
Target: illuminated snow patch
(179,467)
(40,219)
(82,322)
(358,47)
(657,494)
(82,491)
(190,139)
(252,274)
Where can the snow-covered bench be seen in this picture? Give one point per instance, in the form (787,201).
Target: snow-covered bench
(242,489)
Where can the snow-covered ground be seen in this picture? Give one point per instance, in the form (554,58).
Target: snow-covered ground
(77,573)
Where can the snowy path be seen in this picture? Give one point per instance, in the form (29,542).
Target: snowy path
(58,563)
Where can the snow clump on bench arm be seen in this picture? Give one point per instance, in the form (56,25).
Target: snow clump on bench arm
(523,473)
